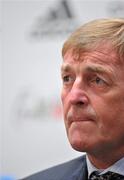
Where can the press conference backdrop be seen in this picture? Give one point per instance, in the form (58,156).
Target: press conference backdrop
(32,135)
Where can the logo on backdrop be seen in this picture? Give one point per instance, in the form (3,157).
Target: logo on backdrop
(29,105)
(58,22)
(116,8)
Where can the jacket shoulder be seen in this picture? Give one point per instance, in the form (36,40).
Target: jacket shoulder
(60,171)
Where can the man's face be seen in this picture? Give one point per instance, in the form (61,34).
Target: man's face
(93,101)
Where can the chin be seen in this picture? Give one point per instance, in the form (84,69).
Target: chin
(81,146)
(77,147)
(78,144)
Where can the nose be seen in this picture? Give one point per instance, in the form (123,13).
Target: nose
(78,95)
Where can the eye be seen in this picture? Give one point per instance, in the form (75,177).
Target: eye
(67,79)
(99,81)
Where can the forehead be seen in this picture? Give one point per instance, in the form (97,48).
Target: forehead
(99,55)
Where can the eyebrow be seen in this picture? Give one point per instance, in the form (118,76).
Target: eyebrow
(65,67)
(89,68)
(96,69)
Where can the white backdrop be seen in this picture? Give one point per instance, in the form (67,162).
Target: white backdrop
(32,130)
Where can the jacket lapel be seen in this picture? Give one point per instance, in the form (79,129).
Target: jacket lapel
(81,171)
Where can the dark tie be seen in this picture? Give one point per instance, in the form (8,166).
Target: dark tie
(106,176)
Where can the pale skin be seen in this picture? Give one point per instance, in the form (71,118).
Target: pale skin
(93,104)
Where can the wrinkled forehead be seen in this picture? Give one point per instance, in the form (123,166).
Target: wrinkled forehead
(100,54)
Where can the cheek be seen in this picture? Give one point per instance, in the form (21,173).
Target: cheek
(66,106)
(64,102)
(63,95)
(110,112)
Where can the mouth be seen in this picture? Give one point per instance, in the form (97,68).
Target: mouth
(79,119)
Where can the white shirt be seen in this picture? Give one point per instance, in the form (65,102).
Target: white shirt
(117,167)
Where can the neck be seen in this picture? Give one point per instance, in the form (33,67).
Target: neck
(104,161)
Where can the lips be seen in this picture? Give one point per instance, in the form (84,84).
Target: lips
(81,118)
(80,115)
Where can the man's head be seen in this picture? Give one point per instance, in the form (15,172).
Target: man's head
(93,87)
(97,32)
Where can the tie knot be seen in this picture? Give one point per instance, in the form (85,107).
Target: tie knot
(107,176)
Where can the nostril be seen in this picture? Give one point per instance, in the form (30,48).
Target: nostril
(80,103)
(78,97)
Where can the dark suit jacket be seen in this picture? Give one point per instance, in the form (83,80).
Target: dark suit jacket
(73,170)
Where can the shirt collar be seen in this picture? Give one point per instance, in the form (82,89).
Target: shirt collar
(117,167)
(91,168)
